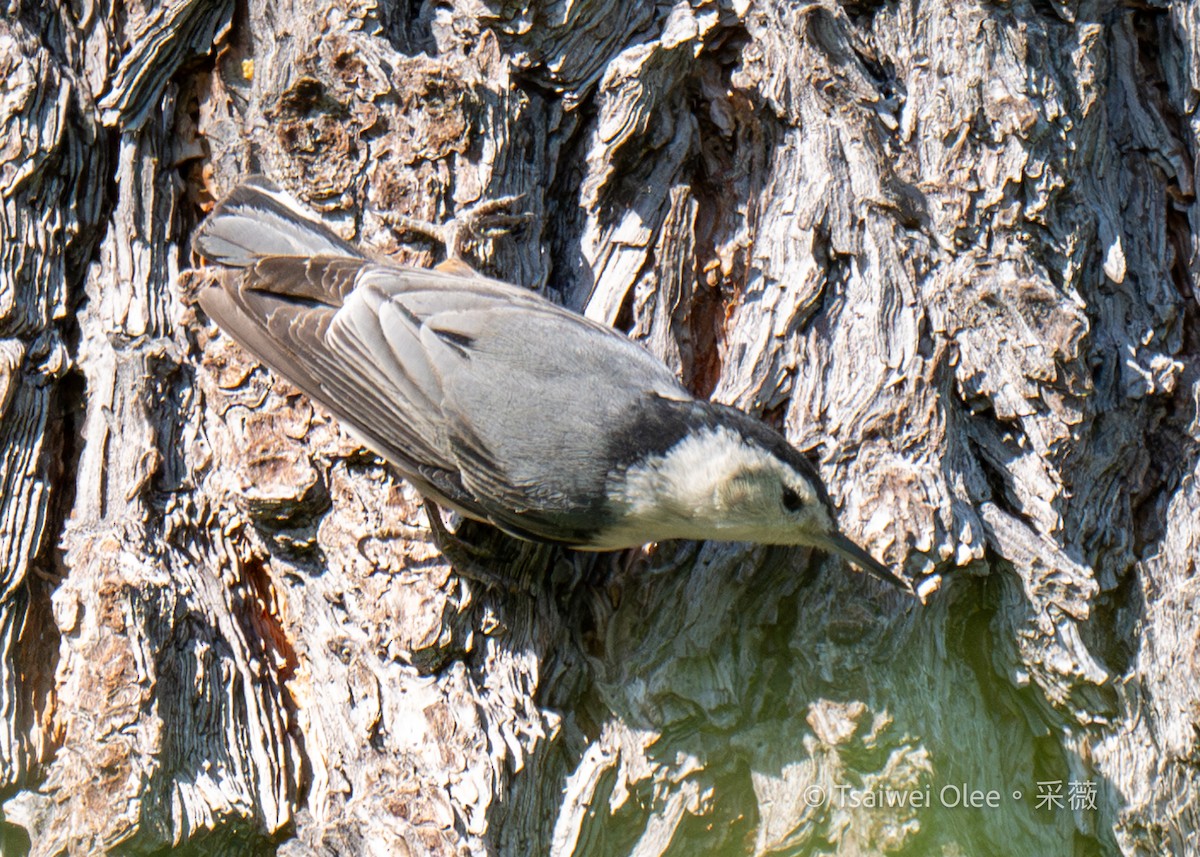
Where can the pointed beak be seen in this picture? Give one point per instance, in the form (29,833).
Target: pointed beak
(839,544)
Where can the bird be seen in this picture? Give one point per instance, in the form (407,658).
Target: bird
(498,404)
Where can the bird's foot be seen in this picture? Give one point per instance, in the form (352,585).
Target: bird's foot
(488,218)
(470,561)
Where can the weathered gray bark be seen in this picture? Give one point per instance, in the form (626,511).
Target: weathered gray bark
(951,247)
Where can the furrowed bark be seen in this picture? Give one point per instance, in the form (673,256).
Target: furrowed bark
(949,248)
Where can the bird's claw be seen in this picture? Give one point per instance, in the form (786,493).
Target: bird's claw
(488,218)
(470,561)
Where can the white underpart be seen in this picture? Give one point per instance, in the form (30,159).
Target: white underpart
(713,485)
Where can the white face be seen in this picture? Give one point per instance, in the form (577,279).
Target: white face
(716,486)
(768,504)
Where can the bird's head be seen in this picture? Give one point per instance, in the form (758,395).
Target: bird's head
(730,477)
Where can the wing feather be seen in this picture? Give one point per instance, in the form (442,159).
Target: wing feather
(258,220)
(468,385)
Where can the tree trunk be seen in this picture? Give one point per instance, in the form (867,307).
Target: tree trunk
(951,248)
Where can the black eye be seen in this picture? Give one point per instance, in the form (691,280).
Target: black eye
(791,500)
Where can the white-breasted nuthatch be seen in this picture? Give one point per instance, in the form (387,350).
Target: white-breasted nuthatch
(499,404)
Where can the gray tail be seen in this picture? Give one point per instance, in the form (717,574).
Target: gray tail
(259,219)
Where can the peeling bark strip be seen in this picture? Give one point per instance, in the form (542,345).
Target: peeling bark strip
(161,41)
(950,247)
(47,225)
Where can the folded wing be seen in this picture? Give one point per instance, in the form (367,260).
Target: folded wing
(466,384)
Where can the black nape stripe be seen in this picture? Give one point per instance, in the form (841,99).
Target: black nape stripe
(652,427)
